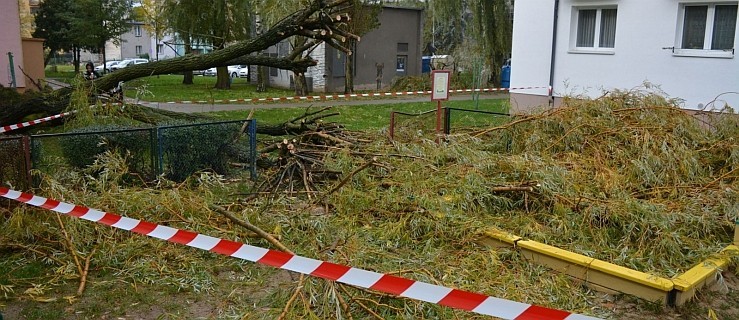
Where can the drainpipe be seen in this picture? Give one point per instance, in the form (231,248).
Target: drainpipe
(12,70)
(554,48)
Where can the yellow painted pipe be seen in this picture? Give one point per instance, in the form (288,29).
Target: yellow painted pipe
(685,282)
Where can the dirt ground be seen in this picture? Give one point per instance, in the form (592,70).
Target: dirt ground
(109,299)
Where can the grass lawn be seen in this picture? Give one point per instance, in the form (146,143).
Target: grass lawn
(165,88)
(373,117)
(61,72)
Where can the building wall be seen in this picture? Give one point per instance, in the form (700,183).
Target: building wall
(643,29)
(129,41)
(10,41)
(33,60)
(380,47)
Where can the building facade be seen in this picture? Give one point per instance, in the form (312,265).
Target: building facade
(686,48)
(393,49)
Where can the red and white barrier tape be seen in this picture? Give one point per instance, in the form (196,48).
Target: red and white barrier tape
(396,286)
(33,122)
(342,96)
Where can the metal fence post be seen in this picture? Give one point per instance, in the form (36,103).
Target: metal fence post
(392,125)
(253,147)
(447,120)
(26,143)
(160,155)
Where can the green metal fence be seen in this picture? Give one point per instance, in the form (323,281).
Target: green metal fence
(175,151)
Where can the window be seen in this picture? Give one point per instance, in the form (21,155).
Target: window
(594,29)
(400,65)
(708,27)
(273,72)
(137,30)
(139,50)
(337,64)
(160,48)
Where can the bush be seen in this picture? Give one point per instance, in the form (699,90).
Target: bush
(189,148)
(81,149)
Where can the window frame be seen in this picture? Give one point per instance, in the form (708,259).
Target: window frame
(706,52)
(137,30)
(401,70)
(138,50)
(575,24)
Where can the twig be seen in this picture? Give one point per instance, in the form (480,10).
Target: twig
(343,304)
(251,227)
(345,180)
(366,308)
(69,244)
(292,298)
(719,179)
(85,271)
(17,245)
(308,114)
(512,188)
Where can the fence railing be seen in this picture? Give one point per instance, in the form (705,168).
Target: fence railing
(409,126)
(15,161)
(175,151)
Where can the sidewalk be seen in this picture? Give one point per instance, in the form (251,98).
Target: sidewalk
(196,108)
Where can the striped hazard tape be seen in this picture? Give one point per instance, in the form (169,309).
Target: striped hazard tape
(397,286)
(33,122)
(341,96)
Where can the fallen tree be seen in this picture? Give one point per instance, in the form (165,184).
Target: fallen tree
(320,20)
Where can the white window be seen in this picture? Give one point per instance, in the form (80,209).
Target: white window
(593,29)
(137,30)
(707,29)
(139,50)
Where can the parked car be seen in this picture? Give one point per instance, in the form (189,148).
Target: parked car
(210,72)
(244,72)
(233,71)
(128,62)
(108,65)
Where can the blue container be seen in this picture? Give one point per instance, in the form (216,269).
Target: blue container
(505,76)
(425,64)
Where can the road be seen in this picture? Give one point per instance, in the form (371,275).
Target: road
(193,107)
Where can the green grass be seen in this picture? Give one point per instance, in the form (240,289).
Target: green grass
(62,72)
(373,117)
(165,88)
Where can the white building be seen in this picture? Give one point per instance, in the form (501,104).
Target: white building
(686,47)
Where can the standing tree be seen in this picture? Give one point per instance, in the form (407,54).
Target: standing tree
(218,23)
(183,19)
(468,28)
(228,21)
(96,22)
(53,25)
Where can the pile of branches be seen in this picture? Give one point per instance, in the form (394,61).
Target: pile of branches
(295,165)
(626,178)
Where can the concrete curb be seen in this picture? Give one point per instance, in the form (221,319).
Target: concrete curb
(608,277)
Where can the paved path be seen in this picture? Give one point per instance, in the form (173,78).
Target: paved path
(193,107)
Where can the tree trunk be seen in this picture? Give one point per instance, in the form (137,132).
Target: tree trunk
(262,78)
(76,59)
(223,78)
(105,62)
(349,70)
(301,85)
(188,77)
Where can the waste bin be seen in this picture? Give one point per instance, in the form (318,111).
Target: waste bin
(425,64)
(505,75)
